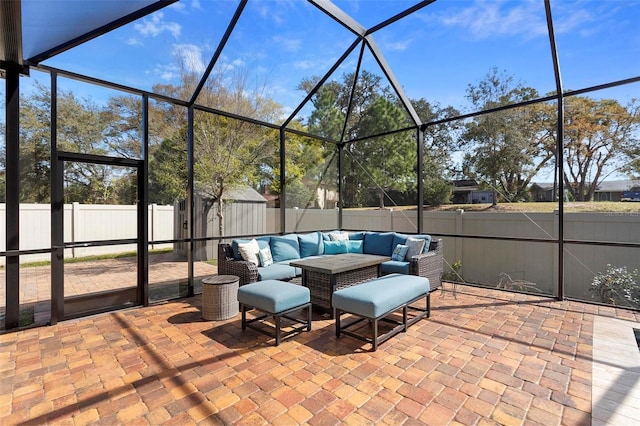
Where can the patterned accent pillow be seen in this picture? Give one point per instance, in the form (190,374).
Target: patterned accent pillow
(399,252)
(264,255)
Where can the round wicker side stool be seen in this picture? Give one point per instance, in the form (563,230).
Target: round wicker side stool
(220,297)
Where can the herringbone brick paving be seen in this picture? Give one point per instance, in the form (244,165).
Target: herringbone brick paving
(484,357)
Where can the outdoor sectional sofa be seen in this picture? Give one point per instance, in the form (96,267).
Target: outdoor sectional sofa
(290,247)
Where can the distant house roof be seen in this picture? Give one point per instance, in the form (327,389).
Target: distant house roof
(544,186)
(606,186)
(617,185)
(240,194)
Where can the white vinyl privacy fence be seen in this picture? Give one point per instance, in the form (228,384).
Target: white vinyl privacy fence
(483,259)
(87,222)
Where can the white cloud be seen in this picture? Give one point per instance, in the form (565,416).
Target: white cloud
(399,46)
(289,44)
(178,6)
(190,56)
(133,41)
(305,64)
(156,25)
(484,20)
(166,72)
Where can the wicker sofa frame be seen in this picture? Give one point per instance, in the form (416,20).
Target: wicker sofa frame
(428,265)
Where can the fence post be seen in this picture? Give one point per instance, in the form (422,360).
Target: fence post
(556,229)
(459,242)
(75,225)
(152,222)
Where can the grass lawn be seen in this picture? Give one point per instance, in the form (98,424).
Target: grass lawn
(569,207)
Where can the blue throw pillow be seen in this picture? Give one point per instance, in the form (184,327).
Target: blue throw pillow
(399,239)
(336,247)
(378,243)
(311,244)
(399,252)
(285,247)
(354,246)
(356,235)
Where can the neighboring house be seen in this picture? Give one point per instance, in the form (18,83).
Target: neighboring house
(326,198)
(607,191)
(541,192)
(468,191)
(612,190)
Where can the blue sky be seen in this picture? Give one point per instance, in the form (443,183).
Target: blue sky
(434,53)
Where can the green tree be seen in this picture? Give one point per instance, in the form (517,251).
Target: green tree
(356,109)
(600,137)
(299,195)
(384,163)
(82,127)
(508,148)
(439,141)
(168,170)
(304,161)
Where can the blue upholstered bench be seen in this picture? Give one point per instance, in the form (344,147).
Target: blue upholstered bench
(377,299)
(275,299)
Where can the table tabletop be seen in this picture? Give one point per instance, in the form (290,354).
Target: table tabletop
(337,263)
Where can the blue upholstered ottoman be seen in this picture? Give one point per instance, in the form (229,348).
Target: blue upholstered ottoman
(275,299)
(377,299)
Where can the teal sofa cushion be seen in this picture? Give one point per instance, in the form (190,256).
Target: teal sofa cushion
(355,246)
(379,243)
(399,239)
(356,235)
(336,247)
(375,298)
(276,271)
(273,296)
(285,247)
(394,267)
(311,244)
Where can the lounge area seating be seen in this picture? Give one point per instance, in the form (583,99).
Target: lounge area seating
(376,301)
(268,257)
(275,299)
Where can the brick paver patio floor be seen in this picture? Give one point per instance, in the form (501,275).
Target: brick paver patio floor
(484,357)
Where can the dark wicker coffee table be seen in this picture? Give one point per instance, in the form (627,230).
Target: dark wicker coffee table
(324,275)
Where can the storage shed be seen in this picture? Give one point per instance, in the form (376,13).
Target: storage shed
(245,213)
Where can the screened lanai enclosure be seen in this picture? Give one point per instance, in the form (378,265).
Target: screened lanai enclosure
(507,129)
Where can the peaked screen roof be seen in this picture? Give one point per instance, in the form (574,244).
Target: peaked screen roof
(51,27)
(430,50)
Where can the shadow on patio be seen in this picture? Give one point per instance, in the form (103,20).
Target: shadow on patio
(484,356)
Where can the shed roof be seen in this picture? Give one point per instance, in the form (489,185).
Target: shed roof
(239,194)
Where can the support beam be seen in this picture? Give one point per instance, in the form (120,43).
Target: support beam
(190,200)
(57,213)
(340,183)
(12,194)
(559,149)
(143,210)
(283,185)
(420,176)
